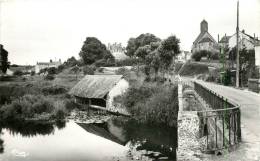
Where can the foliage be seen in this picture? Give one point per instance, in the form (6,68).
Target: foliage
(18,73)
(142,52)
(198,55)
(72,61)
(34,107)
(32,73)
(142,40)
(89,70)
(53,90)
(152,103)
(192,69)
(4,57)
(123,71)
(49,77)
(52,70)
(93,50)
(127,62)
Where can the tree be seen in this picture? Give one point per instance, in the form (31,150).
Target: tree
(142,40)
(93,50)
(142,52)
(168,50)
(89,70)
(4,64)
(130,48)
(72,61)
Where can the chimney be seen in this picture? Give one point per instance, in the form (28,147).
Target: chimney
(243,31)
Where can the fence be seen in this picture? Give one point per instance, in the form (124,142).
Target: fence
(221,126)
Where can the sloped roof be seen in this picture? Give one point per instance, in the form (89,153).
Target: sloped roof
(225,39)
(201,38)
(205,39)
(95,86)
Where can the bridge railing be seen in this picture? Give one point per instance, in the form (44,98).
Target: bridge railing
(222,124)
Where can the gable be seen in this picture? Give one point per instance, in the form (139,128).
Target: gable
(204,37)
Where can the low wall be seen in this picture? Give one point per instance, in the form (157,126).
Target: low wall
(254,85)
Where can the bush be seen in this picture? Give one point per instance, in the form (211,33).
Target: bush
(152,103)
(53,90)
(89,70)
(49,77)
(127,62)
(52,70)
(18,73)
(26,107)
(198,55)
(32,73)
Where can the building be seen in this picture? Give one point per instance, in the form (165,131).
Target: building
(184,56)
(245,41)
(205,41)
(224,41)
(43,65)
(99,91)
(117,50)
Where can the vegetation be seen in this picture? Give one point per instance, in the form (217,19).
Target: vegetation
(4,60)
(31,107)
(142,40)
(152,103)
(93,51)
(198,55)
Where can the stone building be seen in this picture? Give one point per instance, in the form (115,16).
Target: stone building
(205,41)
(117,50)
(245,41)
(43,65)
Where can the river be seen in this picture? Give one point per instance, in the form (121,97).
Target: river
(71,141)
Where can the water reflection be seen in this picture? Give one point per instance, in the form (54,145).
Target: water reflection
(31,128)
(150,138)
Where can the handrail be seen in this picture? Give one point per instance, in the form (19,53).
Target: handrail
(222,123)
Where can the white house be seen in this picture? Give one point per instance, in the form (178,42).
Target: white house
(184,56)
(43,65)
(245,41)
(99,91)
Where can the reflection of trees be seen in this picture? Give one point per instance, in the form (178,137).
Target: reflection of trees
(1,142)
(157,138)
(30,129)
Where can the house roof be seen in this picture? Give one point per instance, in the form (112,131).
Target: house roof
(225,39)
(201,38)
(95,86)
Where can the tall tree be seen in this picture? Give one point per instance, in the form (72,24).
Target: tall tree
(93,50)
(168,50)
(142,40)
(4,64)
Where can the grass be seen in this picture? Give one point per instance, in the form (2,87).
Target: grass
(35,99)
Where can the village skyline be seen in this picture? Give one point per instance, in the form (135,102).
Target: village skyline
(28,32)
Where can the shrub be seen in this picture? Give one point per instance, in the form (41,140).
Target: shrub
(127,62)
(52,71)
(26,107)
(198,55)
(49,77)
(32,73)
(152,103)
(53,90)
(18,73)
(89,70)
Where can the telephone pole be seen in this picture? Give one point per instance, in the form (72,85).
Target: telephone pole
(237,33)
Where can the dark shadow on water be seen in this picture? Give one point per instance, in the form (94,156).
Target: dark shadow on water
(31,128)
(156,138)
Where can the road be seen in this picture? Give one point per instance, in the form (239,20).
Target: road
(249,103)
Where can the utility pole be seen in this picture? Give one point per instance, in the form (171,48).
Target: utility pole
(237,33)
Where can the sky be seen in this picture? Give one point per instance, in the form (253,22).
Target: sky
(39,30)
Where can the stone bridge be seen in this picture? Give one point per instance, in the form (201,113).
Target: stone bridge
(246,130)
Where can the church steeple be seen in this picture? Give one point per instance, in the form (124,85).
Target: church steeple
(204,26)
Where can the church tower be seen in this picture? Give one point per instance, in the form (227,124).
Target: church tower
(203,26)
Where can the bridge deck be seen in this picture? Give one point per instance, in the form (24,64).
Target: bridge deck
(249,103)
